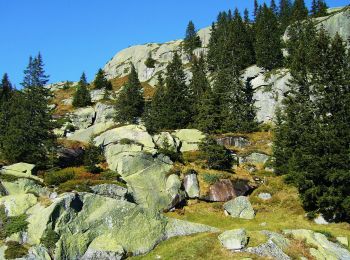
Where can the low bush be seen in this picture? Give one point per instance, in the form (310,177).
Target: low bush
(110,175)
(11,225)
(15,250)
(50,239)
(126,141)
(58,177)
(75,185)
(210,178)
(93,155)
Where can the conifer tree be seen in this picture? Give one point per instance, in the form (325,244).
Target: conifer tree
(273,7)
(299,11)
(155,115)
(246,16)
(318,8)
(82,96)
(199,82)
(130,103)
(268,43)
(28,134)
(101,82)
(256,8)
(178,108)
(284,15)
(192,40)
(5,89)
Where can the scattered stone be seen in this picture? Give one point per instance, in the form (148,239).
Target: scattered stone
(320,220)
(234,239)
(278,239)
(177,227)
(236,141)
(265,196)
(240,207)
(224,190)
(268,249)
(325,249)
(110,190)
(256,158)
(191,185)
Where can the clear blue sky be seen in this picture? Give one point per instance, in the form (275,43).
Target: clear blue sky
(82,35)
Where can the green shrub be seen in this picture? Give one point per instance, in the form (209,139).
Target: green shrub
(150,62)
(11,225)
(328,234)
(126,141)
(210,178)
(110,175)
(15,250)
(50,239)
(58,177)
(8,177)
(93,155)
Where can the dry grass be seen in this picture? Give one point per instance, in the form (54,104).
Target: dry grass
(118,83)
(299,248)
(44,201)
(58,98)
(70,143)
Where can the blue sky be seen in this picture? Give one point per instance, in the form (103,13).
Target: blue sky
(82,35)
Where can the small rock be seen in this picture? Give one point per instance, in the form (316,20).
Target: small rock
(240,207)
(234,239)
(263,224)
(53,195)
(265,196)
(320,220)
(256,158)
(191,185)
(268,249)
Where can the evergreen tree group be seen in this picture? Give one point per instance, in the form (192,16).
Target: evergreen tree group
(192,40)
(27,128)
(82,97)
(130,103)
(312,136)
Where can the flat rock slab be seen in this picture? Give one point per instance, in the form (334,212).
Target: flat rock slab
(234,239)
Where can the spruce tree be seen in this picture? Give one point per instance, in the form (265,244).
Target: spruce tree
(82,96)
(178,107)
(155,116)
(216,156)
(101,82)
(273,7)
(28,136)
(246,16)
(256,8)
(130,103)
(5,89)
(284,15)
(199,83)
(192,40)
(268,42)
(299,10)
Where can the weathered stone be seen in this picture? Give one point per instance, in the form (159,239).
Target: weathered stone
(17,204)
(97,94)
(234,239)
(38,253)
(321,220)
(83,118)
(110,190)
(104,113)
(70,156)
(264,196)
(177,227)
(240,207)
(191,185)
(343,240)
(189,138)
(116,154)
(268,249)
(173,189)
(325,249)
(236,141)
(276,238)
(224,190)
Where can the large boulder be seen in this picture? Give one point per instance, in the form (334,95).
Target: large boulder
(236,141)
(225,190)
(268,249)
(325,249)
(189,138)
(85,135)
(133,134)
(167,141)
(70,156)
(240,207)
(191,185)
(24,185)
(84,117)
(17,204)
(256,158)
(104,113)
(234,239)
(19,170)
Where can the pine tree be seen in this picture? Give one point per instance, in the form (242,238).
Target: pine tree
(318,8)
(130,103)
(299,11)
(192,40)
(5,89)
(155,115)
(256,8)
(273,7)
(101,82)
(268,43)
(178,108)
(285,12)
(28,134)
(82,96)
(199,83)
(246,16)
